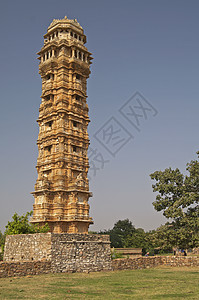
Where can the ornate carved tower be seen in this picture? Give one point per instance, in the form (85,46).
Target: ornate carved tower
(62,189)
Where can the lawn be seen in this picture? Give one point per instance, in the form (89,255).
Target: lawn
(158,283)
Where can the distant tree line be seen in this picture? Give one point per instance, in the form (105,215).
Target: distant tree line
(125,235)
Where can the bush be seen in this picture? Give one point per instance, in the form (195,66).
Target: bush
(21,225)
(115,254)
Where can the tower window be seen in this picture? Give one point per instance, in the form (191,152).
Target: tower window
(71,33)
(77,97)
(74,149)
(78,77)
(50,76)
(74,124)
(75,36)
(80,55)
(48,148)
(80,38)
(49,124)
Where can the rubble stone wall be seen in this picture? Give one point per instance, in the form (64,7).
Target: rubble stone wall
(27,247)
(32,254)
(153,261)
(65,252)
(15,269)
(80,252)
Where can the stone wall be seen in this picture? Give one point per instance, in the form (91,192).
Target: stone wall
(66,252)
(11,269)
(32,254)
(80,252)
(15,269)
(153,261)
(28,247)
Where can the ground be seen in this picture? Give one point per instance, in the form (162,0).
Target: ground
(158,283)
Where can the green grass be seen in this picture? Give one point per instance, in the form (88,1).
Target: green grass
(159,283)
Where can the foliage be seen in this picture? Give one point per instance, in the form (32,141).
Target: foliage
(21,225)
(2,238)
(178,198)
(119,233)
(115,254)
(125,235)
(141,239)
(2,243)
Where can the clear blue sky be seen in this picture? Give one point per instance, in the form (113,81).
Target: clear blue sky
(149,46)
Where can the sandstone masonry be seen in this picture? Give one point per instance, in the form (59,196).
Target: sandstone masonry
(62,187)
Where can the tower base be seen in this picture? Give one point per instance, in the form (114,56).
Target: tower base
(66,252)
(65,226)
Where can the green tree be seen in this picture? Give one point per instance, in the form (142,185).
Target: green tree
(141,239)
(21,225)
(2,238)
(2,243)
(178,199)
(120,231)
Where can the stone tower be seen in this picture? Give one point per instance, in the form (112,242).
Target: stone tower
(62,188)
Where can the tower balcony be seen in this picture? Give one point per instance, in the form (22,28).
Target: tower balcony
(46,59)
(42,185)
(84,187)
